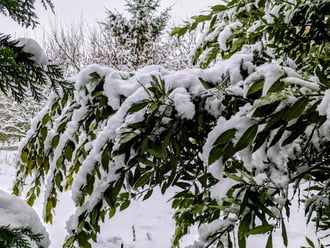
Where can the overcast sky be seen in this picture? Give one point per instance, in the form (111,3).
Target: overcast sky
(68,11)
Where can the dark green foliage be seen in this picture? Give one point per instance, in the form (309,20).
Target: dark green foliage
(305,31)
(19,73)
(23,11)
(136,36)
(18,237)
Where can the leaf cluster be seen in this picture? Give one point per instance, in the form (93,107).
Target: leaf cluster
(23,11)
(303,25)
(19,237)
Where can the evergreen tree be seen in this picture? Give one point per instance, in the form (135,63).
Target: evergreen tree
(18,237)
(234,138)
(134,38)
(20,71)
(23,11)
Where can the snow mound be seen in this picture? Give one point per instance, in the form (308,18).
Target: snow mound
(17,213)
(31,46)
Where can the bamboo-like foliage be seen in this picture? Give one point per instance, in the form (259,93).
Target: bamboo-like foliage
(233,138)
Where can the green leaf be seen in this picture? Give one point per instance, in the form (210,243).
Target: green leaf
(315,187)
(260,139)
(55,141)
(296,109)
(167,138)
(69,242)
(137,106)
(256,86)
(112,212)
(278,135)
(219,8)
(225,137)
(247,138)
(147,196)
(237,45)
(201,18)
(69,150)
(94,215)
(261,229)
(24,157)
(235,178)
(261,206)
(58,180)
(31,200)
(44,133)
(244,226)
(276,87)
(155,153)
(124,205)
(111,193)
(215,153)
(143,180)
(206,84)
(269,243)
(146,162)
(276,120)
(284,234)
(242,243)
(49,207)
(244,202)
(323,78)
(294,135)
(45,119)
(179,31)
(183,185)
(83,238)
(144,144)
(127,137)
(222,208)
(228,152)
(310,242)
(105,158)
(265,110)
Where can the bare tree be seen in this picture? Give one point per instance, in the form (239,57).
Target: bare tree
(78,44)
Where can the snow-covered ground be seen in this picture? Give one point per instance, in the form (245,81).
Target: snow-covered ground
(145,224)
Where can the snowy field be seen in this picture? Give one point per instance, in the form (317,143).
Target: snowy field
(144,224)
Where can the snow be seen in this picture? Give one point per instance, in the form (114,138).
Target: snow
(183,104)
(226,33)
(213,104)
(324,109)
(217,225)
(301,82)
(32,46)
(271,73)
(17,214)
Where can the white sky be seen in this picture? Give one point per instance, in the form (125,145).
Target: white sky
(68,11)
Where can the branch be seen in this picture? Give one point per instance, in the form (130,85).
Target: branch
(310,169)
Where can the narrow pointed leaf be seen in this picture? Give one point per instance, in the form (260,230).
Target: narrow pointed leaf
(261,229)
(247,138)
